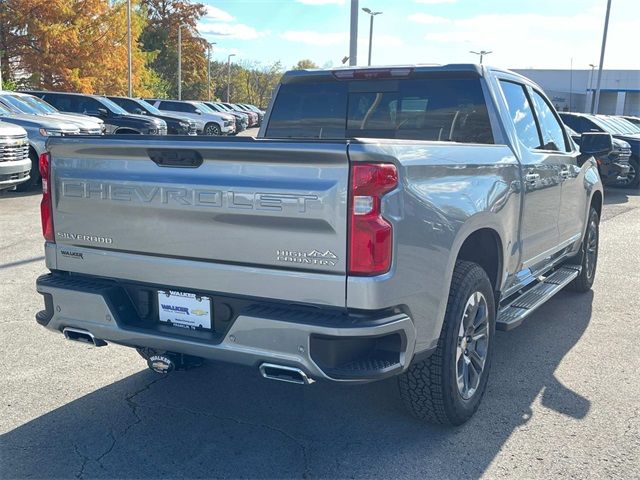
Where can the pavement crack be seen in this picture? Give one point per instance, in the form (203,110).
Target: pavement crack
(134,406)
(84,458)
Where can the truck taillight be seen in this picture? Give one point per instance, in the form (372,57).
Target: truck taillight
(370,235)
(46,214)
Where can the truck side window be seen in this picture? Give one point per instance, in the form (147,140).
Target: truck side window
(521,114)
(552,135)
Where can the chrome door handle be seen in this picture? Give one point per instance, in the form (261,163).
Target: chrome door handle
(532,177)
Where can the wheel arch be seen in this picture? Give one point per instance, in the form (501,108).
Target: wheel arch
(126,131)
(484,246)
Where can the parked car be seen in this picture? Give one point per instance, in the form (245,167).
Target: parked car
(32,105)
(39,130)
(623,124)
(584,122)
(255,109)
(614,167)
(634,120)
(176,124)
(117,120)
(386,223)
(254,119)
(15,164)
(242,120)
(208,122)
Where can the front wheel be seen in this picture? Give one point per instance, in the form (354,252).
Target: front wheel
(587,257)
(633,176)
(212,129)
(448,386)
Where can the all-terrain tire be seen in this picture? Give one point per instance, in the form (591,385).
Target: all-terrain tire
(587,257)
(429,388)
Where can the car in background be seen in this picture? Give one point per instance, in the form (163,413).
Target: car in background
(254,118)
(15,164)
(634,120)
(614,167)
(117,120)
(176,124)
(39,128)
(585,122)
(208,121)
(32,105)
(242,120)
(255,109)
(623,124)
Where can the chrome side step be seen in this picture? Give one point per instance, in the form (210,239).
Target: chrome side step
(515,312)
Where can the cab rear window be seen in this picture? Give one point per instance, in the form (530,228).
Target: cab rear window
(442,109)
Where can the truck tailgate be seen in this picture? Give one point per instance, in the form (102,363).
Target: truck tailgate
(251,203)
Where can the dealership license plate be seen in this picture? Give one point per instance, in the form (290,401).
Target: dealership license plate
(184,310)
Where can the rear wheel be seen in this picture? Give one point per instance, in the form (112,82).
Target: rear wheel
(448,386)
(212,129)
(587,258)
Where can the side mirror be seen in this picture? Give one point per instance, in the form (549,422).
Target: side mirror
(197,110)
(596,144)
(139,111)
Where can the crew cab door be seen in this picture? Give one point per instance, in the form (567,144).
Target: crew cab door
(571,213)
(540,183)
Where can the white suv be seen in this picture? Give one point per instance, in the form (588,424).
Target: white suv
(209,122)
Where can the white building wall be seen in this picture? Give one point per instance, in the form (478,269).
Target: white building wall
(579,85)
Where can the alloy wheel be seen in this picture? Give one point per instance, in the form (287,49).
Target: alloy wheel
(473,345)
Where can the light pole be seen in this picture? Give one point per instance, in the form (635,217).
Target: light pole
(130,82)
(604,43)
(371,15)
(590,87)
(180,60)
(353,35)
(229,75)
(211,44)
(482,53)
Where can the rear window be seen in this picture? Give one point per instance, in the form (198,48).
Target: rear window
(443,109)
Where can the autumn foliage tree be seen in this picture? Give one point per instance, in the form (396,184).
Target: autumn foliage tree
(74,45)
(160,36)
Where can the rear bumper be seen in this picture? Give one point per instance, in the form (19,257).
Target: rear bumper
(324,343)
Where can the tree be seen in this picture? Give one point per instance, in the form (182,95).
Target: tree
(73,45)
(160,37)
(305,64)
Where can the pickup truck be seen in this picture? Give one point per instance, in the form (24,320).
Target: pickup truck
(14,156)
(384,223)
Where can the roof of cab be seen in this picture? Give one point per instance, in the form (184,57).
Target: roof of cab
(298,76)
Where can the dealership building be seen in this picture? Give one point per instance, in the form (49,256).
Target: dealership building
(574,90)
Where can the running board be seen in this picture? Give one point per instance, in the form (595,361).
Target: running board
(516,311)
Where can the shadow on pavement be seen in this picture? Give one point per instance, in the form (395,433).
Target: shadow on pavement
(615,195)
(224,421)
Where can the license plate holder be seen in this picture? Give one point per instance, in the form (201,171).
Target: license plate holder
(184,310)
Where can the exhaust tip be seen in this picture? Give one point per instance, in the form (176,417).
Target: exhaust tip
(83,336)
(283,373)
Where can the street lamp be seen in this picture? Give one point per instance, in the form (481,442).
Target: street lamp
(482,53)
(129,79)
(180,59)
(590,87)
(209,45)
(229,75)
(371,15)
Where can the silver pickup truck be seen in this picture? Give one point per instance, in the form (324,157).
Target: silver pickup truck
(385,223)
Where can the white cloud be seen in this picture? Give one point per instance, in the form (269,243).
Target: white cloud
(321,2)
(217,14)
(310,37)
(434,2)
(426,19)
(230,30)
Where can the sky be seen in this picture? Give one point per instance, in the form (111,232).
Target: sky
(520,33)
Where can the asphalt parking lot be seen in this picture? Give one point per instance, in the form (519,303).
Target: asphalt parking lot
(562,399)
